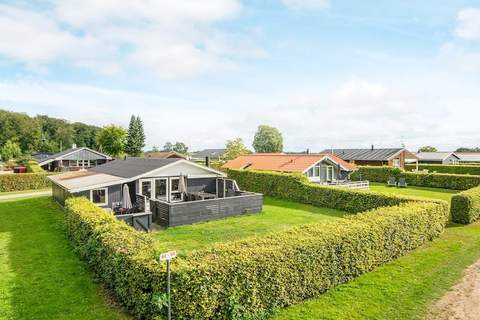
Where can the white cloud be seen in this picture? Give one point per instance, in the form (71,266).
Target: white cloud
(172,38)
(459,58)
(306,4)
(468,24)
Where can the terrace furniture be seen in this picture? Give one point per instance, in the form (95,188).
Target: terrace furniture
(203,195)
(402,183)
(392,182)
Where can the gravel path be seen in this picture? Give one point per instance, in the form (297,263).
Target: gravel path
(462,301)
(24,195)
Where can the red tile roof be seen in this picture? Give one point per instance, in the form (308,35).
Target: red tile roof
(283,162)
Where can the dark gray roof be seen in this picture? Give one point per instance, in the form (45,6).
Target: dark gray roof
(382,154)
(132,167)
(211,153)
(64,153)
(41,156)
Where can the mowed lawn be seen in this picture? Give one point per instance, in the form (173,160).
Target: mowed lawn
(277,215)
(402,289)
(434,193)
(40,276)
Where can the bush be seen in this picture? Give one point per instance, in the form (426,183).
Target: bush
(33,167)
(122,258)
(453,169)
(23,181)
(420,179)
(250,278)
(296,187)
(465,206)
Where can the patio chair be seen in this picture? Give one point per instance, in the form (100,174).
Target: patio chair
(402,183)
(392,182)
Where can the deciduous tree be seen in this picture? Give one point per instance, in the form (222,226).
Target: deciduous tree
(111,140)
(267,139)
(235,148)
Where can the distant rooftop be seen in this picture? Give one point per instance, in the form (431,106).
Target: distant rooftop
(368,154)
(211,153)
(435,156)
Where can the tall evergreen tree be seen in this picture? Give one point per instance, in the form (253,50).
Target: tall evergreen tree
(135,137)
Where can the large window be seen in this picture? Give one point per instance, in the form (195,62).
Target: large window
(161,189)
(99,196)
(146,188)
(175,194)
(330,173)
(396,163)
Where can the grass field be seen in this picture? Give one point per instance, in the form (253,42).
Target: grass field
(435,193)
(277,215)
(41,277)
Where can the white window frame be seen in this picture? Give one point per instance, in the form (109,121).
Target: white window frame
(155,188)
(332,173)
(106,196)
(170,184)
(396,163)
(152,187)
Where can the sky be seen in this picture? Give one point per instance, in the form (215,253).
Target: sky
(326,73)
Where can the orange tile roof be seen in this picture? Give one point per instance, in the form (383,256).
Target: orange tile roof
(283,162)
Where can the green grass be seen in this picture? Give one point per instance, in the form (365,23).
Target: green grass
(40,276)
(25,191)
(435,193)
(277,215)
(403,289)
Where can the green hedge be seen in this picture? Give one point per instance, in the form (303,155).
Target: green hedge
(248,279)
(420,179)
(122,258)
(252,277)
(33,167)
(296,187)
(465,207)
(23,181)
(453,169)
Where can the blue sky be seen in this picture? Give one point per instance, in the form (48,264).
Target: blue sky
(326,73)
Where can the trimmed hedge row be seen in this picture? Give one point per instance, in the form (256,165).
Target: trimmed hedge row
(23,181)
(296,187)
(420,179)
(122,258)
(465,207)
(453,169)
(33,167)
(247,278)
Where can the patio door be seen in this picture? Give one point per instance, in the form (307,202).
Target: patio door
(330,173)
(161,189)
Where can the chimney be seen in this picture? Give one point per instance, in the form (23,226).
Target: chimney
(125,157)
(373,147)
(308,151)
(207,161)
(74,146)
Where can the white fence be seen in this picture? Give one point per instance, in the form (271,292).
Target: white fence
(351,184)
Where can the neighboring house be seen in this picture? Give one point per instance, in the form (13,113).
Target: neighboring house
(468,157)
(164,155)
(320,168)
(394,157)
(168,188)
(73,159)
(438,157)
(212,154)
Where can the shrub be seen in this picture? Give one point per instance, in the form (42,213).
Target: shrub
(247,278)
(250,278)
(440,168)
(23,181)
(465,206)
(33,167)
(122,258)
(296,187)
(420,179)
